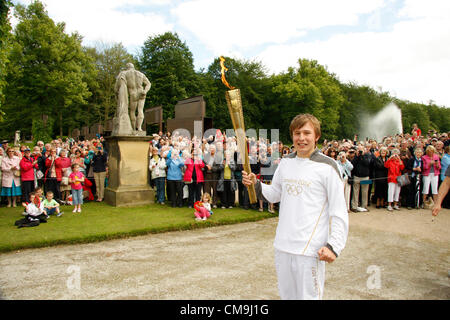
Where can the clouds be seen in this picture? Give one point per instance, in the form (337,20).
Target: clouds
(239,25)
(410,60)
(399,45)
(109,20)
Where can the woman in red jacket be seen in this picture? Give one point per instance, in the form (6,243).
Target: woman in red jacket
(193,176)
(27,166)
(395,166)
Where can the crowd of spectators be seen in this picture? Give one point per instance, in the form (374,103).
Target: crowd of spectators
(186,168)
(48,167)
(373,169)
(181,169)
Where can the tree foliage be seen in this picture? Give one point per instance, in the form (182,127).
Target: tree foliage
(250,77)
(45,71)
(310,88)
(109,60)
(168,64)
(5,43)
(45,68)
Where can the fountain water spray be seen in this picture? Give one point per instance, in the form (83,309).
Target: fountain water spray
(387,122)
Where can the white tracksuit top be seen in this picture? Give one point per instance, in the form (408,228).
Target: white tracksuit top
(312,211)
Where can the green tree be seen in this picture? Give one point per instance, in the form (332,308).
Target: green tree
(45,72)
(250,77)
(168,64)
(110,59)
(87,111)
(439,117)
(413,113)
(359,102)
(5,37)
(310,88)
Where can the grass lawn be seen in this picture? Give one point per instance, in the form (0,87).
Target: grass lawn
(99,221)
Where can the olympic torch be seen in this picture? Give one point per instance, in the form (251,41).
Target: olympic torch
(234,102)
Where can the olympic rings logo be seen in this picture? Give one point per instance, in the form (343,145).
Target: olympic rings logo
(294,189)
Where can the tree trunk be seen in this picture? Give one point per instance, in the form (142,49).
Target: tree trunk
(106,111)
(60,124)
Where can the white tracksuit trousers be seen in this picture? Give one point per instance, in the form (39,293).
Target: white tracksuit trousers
(299,277)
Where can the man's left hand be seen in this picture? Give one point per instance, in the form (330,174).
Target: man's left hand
(326,254)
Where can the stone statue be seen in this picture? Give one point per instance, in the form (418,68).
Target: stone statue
(17,138)
(131,88)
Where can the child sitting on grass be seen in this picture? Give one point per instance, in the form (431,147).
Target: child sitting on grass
(35,214)
(50,205)
(32,209)
(203,207)
(36,200)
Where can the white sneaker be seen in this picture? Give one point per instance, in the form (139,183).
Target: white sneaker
(198,219)
(396,208)
(390,208)
(204,218)
(359,209)
(79,210)
(74,210)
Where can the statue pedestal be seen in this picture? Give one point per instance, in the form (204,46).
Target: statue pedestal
(128,171)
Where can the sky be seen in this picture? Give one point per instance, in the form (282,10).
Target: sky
(396,46)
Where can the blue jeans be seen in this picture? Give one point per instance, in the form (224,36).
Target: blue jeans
(160,184)
(50,211)
(77,196)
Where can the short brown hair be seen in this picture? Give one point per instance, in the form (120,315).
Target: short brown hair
(301,119)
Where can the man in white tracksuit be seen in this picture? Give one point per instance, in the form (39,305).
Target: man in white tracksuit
(313,218)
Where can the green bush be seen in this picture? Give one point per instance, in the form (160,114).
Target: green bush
(40,131)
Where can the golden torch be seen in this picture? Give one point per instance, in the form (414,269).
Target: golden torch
(234,103)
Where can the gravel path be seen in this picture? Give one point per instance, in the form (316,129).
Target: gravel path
(401,255)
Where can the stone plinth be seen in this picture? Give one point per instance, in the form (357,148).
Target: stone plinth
(128,171)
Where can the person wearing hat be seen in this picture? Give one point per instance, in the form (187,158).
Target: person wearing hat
(4,145)
(27,166)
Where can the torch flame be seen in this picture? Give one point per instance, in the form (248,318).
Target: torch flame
(224,81)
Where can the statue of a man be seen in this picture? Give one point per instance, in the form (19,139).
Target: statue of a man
(138,86)
(121,120)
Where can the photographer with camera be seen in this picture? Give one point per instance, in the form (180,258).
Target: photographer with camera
(362,167)
(99,164)
(395,166)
